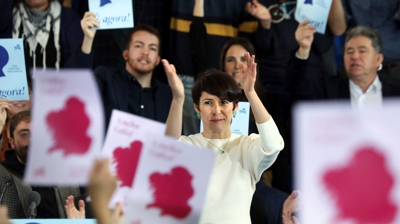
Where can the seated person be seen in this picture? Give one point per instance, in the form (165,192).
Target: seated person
(12,170)
(361,86)
(132,89)
(50,32)
(241,159)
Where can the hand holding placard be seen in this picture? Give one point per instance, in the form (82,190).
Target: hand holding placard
(304,37)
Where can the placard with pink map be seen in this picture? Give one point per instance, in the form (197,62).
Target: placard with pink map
(67,127)
(347,163)
(170,183)
(123,145)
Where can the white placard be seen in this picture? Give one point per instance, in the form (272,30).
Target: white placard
(347,163)
(171,182)
(67,128)
(112,14)
(316,11)
(123,145)
(239,124)
(13,84)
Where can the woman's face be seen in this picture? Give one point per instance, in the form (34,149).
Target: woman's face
(216,114)
(37,5)
(233,58)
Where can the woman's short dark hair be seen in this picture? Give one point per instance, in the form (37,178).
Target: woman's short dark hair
(245,43)
(218,83)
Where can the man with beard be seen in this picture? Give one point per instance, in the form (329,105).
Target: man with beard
(14,192)
(132,89)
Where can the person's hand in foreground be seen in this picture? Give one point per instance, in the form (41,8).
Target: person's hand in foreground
(72,212)
(291,205)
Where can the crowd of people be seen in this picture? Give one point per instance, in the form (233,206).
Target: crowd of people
(191,61)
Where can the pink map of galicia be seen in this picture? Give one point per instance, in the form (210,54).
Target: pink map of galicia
(69,128)
(171,192)
(362,188)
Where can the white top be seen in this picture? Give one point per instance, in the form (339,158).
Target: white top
(371,98)
(236,172)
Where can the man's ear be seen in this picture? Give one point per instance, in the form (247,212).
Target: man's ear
(158,60)
(125,54)
(11,141)
(196,108)
(379,59)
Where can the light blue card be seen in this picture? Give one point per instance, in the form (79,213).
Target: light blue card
(112,14)
(316,11)
(239,124)
(13,83)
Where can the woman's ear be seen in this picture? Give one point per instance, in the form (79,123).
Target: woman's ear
(196,108)
(236,106)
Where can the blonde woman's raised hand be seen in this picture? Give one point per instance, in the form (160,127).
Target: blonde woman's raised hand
(248,74)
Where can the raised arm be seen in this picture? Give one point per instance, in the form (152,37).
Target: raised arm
(336,18)
(88,22)
(263,34)
(247,81)
(260,12)
(174,120)
(199,44)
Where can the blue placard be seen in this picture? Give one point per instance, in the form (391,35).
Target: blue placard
(13,83)
(112,14)
(53,221)
(315,11)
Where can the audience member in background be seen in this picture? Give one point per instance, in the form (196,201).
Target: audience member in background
(132,89)
(241,159)
(51,33)
(362,58)
(384,17)
(7,110)
(12,171)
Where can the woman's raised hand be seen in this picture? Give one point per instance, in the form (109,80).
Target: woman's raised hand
(249,74)
(89,22)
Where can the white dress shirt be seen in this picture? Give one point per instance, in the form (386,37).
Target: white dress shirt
(371,98)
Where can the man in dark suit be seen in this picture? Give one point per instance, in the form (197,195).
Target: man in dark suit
(132,89)
(362,59)
(14,192)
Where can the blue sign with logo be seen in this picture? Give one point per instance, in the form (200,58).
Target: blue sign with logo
(315,11)
(13,83)
(112,14)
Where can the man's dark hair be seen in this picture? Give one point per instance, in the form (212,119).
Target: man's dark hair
(21,116)
(371,34)
(218,83)
(147,28)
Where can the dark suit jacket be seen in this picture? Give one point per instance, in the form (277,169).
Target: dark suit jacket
(15,195)
(114,86)
(334,87)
